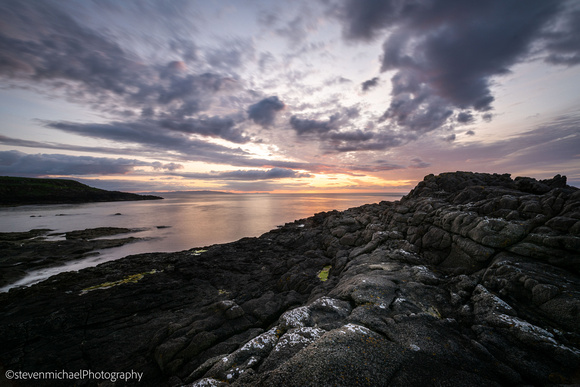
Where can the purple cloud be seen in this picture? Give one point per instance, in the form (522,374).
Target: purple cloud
(264,112)
(446,52)
(14,163)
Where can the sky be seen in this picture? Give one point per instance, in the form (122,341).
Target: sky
(288,96)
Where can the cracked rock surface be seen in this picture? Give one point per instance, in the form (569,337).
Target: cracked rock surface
(471,279)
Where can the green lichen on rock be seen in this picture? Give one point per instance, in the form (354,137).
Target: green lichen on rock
(223,292)
(134,278)
(198,252)
(323,275)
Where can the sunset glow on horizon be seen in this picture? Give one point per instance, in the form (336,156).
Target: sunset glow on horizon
(344,96)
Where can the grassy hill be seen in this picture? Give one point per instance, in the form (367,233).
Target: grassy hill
(24,190)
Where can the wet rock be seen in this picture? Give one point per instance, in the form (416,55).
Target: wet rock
(436,238)
(543,293)
(24,251)
(289,344)
(92,233)
(247,357)
(471,279)
(348,240)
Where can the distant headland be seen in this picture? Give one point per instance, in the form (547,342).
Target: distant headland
(24,190)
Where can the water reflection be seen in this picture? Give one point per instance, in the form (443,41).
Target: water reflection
(179,222)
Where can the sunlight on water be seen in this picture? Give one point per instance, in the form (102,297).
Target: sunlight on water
(179,222)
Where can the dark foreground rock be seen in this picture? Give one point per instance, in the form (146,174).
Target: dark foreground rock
(470,280)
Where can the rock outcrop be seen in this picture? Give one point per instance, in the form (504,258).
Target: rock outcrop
(471,279)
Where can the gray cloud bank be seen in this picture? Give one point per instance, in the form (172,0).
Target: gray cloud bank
(445,53)
(264,112)
(14,163)
(41,44)
(248,175)
(442,57)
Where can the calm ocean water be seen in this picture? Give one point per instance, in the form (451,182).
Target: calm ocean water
(179,222)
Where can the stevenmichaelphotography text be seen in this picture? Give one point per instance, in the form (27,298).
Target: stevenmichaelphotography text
(112,376)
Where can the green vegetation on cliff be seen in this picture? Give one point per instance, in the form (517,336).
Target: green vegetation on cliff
(23,190)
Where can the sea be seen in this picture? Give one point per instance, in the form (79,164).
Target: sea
(181,221)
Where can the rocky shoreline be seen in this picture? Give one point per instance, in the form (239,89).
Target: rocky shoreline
(36,249)
(471,279)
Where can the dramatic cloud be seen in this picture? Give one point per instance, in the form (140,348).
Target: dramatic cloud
(378,166)
(144,138)
(305,126)
(369,141)
(136,133)
(14,163)
(450,138)
(351,136)
(79,148)
(264,112)
(446,52)
(149,131)
(334,138)
(563,40)
(248,175)
(308,125)
(417,163)
(219,127)
(181,149)
(57,48)
(367,85)
(465,118)
(91,68)
(276,91)
(419,111)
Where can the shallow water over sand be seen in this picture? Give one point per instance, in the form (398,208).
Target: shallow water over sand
(179,222)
